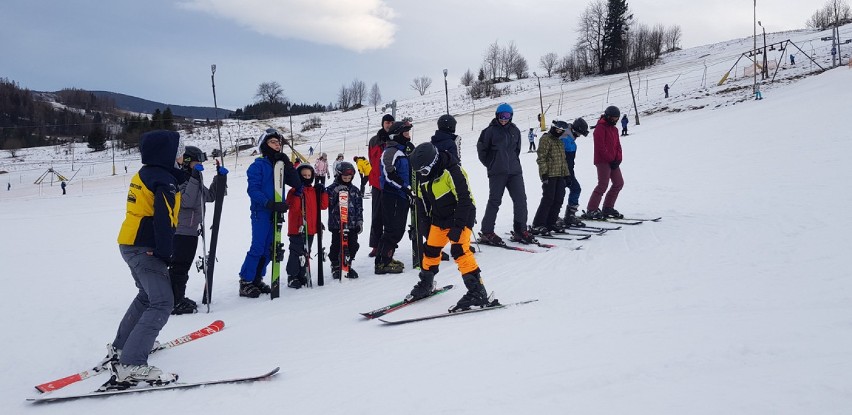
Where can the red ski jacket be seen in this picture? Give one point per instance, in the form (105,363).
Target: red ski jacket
(294,214)
(607,143)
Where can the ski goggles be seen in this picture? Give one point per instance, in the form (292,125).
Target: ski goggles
(425,170)
(504,116)
(347,172)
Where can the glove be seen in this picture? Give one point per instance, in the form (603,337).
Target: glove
(408,191)
(199,167)
(358,228)
(221,170)
(277,206)
(614,164)
(280,157)
(454,234)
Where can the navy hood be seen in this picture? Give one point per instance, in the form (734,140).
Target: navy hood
(159,148)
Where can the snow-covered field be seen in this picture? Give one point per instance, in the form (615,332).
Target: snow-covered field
(737,302)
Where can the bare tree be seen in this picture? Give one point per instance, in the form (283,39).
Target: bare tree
(671,38)
(491,61)
(421,84)
(270,92)
(375,96)
(590,31)
(520,68)
(548,62)
(508,57)
(344,98)
(467,78)
(357,90)
(826,17)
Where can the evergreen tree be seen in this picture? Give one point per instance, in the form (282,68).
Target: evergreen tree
(168,119)
(97,136)
(615,36)
(157,120)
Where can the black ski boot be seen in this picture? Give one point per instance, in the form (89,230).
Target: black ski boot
(524,236)
(490,238)
(476,295)
(423,288)
(262,286)
(335,271)
(609,212)
(184,306)
(248,289)
(352,274)
(593,215)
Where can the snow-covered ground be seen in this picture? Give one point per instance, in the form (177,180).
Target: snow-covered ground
(738,301)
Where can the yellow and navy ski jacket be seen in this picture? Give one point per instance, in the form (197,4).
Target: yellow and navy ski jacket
(447,197)
(153,201)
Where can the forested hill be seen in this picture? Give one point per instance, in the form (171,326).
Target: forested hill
(134,104)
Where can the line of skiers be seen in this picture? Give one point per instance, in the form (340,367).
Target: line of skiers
(166,198)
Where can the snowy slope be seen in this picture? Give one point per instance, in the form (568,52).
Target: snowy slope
(737,302)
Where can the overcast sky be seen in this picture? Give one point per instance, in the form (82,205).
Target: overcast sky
(162,49)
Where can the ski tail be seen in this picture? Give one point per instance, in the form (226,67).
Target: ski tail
(53,385)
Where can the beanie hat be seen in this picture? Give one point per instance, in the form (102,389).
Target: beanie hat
(388,117)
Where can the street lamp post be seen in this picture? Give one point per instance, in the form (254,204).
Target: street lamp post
(754,51)
(764,72)
(446,93)
(541,102)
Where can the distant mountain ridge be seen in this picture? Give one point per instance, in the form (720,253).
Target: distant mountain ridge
(134,104)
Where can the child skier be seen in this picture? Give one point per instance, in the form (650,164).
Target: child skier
(569,140)
(343,181)
(446,193)
(552,169)
(297,218)
(193,196)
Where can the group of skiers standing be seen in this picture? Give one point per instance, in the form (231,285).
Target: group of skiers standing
(165,208)
(499,150)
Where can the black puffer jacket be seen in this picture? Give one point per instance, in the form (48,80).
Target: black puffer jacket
(499,148)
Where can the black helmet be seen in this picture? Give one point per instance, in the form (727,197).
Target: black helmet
(612,111)
(580,126)
(447,123)
(558,127)
(344,168)
(400,127)
(424,158)
(192,153)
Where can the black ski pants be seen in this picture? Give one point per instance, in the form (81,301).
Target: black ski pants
(297,262)
(394,218)
(183,254)
(497,185)
(552,195)
(376,217)
(334,250)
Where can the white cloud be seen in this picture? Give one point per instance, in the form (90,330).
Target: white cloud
(357,25)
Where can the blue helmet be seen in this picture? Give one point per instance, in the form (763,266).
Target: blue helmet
(504,107)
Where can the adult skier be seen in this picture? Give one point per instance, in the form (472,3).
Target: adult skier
(608,163)
(499,149)
(145,243)
(261,191)
(396,197)
(375,149)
